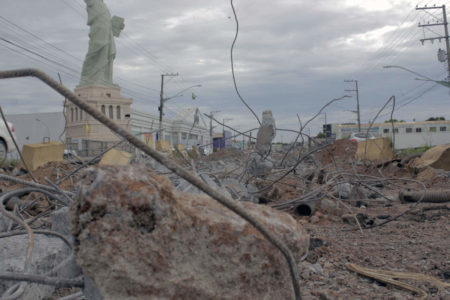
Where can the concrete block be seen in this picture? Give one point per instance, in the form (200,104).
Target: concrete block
(36,155)
(377,149)
(116,158)
(182,149)
(48,252)
(163,146)
(61,222)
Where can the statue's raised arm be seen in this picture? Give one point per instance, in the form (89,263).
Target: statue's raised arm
(98,65)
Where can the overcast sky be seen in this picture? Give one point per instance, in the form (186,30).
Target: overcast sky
(291,56)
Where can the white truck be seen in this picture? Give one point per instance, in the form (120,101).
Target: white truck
(6,142)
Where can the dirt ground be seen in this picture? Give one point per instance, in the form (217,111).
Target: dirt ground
(418,241)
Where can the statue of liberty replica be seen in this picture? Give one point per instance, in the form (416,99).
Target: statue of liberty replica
(96,85)
(98,65)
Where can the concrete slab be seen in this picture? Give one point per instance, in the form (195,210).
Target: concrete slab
(48,252)
(116,158)
(438,157)
(36,155)
(377,149)
(163,146)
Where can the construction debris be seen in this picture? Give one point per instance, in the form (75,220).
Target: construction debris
(159,244)
(166,226)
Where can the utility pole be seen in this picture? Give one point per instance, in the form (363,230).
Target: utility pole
(357,101)
(446,37)
(223,130)
(161,102)
(211,115)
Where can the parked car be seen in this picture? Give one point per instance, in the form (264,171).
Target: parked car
(6,142)
(360,136)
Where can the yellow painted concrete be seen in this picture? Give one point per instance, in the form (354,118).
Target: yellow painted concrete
(163,146)
(36,155)
(377,149)
(438,157)
(182,149)
(115,158)
(195,152)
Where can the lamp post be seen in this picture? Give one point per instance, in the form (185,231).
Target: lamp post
(423,77)
(48,129)
(164,100)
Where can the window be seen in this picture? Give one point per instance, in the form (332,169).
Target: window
(183,136)
(81,115)
(111,113)
(433,129)
(386,130)
(118,112)
(76,113)
(443,128)
(71,115)
(418,129)
(103,109)
(408,130)
(396,130)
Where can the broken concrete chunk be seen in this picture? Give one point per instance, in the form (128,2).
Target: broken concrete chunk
(257,166)
(266,134)
(137,239)
(48,252)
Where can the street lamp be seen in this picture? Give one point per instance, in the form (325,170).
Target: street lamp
(423,77)
(164,100)
(48,129)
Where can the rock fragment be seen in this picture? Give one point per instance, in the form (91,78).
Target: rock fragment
(137,239)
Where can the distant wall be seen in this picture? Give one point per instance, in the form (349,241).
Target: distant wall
(30,131)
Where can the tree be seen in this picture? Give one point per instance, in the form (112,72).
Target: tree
(394,120)
(435,119)
(321,135)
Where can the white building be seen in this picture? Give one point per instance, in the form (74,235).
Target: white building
(407,134)
(188,127)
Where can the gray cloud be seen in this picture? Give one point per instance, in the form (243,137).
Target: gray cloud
(290,56)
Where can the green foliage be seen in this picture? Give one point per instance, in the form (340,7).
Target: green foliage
(394,120)
(321,135)
(409,151)
(435,119)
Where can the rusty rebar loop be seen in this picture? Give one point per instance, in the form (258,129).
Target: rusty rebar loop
(34,185)
(42,279)
(232,65)
(309,121)
(392,98)
(171,165)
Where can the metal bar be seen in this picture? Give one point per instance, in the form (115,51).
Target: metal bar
(170,164)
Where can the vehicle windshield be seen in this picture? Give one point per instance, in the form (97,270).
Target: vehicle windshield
(363,135)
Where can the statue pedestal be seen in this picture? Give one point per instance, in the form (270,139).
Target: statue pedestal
(82,127)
